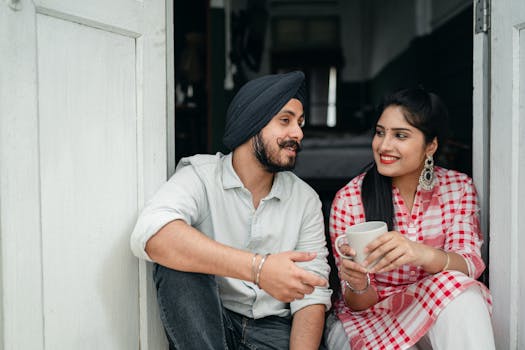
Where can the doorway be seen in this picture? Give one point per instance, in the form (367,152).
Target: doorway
(371,47)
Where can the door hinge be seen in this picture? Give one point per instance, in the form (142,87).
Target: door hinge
(482,16)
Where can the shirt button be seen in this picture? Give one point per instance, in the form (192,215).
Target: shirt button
(412,273)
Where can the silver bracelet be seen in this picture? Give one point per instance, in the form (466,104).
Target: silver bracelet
(445,268)
(263,260)
(359,291)
(254,271)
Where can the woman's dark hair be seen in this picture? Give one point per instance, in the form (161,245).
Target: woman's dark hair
(426,112)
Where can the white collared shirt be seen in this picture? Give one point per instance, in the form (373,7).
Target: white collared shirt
(206,193)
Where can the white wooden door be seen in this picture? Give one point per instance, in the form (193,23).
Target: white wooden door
(507,171)
(82,144)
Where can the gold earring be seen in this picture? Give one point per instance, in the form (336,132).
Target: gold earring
(426,179)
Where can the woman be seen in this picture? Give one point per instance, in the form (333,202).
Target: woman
(423,292)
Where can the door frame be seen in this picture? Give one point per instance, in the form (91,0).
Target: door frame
(481,129)
(152,334)
(499,161)
(170,89)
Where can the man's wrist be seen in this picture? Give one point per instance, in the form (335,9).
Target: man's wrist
(254,266)
(259,269)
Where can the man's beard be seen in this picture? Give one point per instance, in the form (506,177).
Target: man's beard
(263,154)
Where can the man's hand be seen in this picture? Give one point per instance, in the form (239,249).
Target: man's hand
(284,280)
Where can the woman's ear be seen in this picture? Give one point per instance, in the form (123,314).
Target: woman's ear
(432,147)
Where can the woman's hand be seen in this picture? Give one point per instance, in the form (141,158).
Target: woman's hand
(351,271)
(395,250)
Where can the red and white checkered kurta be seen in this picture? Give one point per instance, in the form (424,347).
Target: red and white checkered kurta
(409,298)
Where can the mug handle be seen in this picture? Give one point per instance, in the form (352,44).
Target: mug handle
(336,244)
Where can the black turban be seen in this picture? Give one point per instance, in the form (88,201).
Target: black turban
(257,102)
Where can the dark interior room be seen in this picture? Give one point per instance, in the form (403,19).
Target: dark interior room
(353,52)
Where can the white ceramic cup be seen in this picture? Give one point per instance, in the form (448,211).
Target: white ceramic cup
(358,236)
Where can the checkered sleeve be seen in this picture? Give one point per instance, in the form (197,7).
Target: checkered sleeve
(464,234)
(346,210)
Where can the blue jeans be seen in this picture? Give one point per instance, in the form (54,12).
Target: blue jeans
(194,318)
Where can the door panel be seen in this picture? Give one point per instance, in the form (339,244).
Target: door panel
(88,157)
(507,175)
(111,16)
(82,145)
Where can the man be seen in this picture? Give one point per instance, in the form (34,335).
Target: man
(238,240)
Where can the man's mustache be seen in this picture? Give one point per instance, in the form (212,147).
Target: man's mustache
(290,143)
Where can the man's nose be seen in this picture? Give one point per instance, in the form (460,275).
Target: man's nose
(297,133)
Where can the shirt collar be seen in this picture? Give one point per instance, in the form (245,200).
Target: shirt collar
(229,176)
(279,188)
(230,180)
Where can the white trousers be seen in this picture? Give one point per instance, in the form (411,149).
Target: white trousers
(464,324)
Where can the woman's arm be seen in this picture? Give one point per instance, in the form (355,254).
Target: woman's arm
(464,236)
(357,290)
(397,250)
(346,206)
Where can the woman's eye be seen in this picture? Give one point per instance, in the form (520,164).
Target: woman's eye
(285,120)
(301,123)
(401,136)
(380,132)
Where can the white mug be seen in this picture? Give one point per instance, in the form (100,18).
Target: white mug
(358,236)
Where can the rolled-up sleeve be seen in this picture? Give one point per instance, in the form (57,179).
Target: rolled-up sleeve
(464,235)
(312,239)
(181,198)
